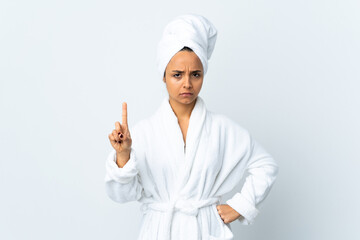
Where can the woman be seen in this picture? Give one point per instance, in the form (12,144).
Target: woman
(181,160)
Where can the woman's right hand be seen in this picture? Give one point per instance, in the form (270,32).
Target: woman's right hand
(120,137)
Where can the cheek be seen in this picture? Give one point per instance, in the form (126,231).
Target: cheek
(172,85)
(198,84)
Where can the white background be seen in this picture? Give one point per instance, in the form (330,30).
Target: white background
(288,71)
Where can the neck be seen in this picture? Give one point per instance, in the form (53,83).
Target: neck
(182,111)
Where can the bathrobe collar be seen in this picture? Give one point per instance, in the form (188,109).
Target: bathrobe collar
(183,159)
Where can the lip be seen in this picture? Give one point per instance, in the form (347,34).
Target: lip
(186,95)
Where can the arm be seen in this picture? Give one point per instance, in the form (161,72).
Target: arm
(262,171)
(122,181)
(122,184)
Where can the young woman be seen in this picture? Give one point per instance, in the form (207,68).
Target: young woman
(180,161)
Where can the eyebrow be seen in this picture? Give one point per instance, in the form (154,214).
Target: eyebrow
(183,71)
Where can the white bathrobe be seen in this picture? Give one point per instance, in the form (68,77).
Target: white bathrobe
(179,185)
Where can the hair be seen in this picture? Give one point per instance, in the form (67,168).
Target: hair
(185,48)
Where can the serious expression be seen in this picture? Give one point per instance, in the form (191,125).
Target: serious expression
(184,77)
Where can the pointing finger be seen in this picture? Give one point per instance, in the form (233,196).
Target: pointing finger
(124,114)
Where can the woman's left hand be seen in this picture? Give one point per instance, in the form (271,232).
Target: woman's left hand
(227,213)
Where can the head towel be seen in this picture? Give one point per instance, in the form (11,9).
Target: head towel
(190,30)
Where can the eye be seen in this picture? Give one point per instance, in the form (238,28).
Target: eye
(176,75)
(196,75)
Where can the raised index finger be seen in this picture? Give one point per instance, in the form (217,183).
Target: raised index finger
(124,113)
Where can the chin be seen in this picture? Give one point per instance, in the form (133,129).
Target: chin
(187,100)
(183,100)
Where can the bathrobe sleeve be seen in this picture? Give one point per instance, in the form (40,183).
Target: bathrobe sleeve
(262,170)
(123,184)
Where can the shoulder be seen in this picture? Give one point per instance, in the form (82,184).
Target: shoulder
(140,126)
(144,126)
(224,121)
(227,125)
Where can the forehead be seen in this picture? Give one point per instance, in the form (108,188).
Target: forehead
(185,59)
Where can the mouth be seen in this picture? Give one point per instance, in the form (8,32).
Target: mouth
(186,94)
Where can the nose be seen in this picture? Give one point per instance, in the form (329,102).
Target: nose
(187,82)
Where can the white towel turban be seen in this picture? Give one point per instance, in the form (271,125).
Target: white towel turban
(190,30)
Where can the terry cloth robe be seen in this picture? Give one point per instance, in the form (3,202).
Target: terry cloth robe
(179,185)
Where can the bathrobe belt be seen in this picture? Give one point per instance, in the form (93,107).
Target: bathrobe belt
(189,207)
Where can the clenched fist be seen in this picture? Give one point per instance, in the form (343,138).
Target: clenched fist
(227,213)
(120,138)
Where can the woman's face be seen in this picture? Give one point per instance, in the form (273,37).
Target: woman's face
(184,74)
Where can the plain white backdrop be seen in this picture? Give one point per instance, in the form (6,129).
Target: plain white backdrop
(288,71)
